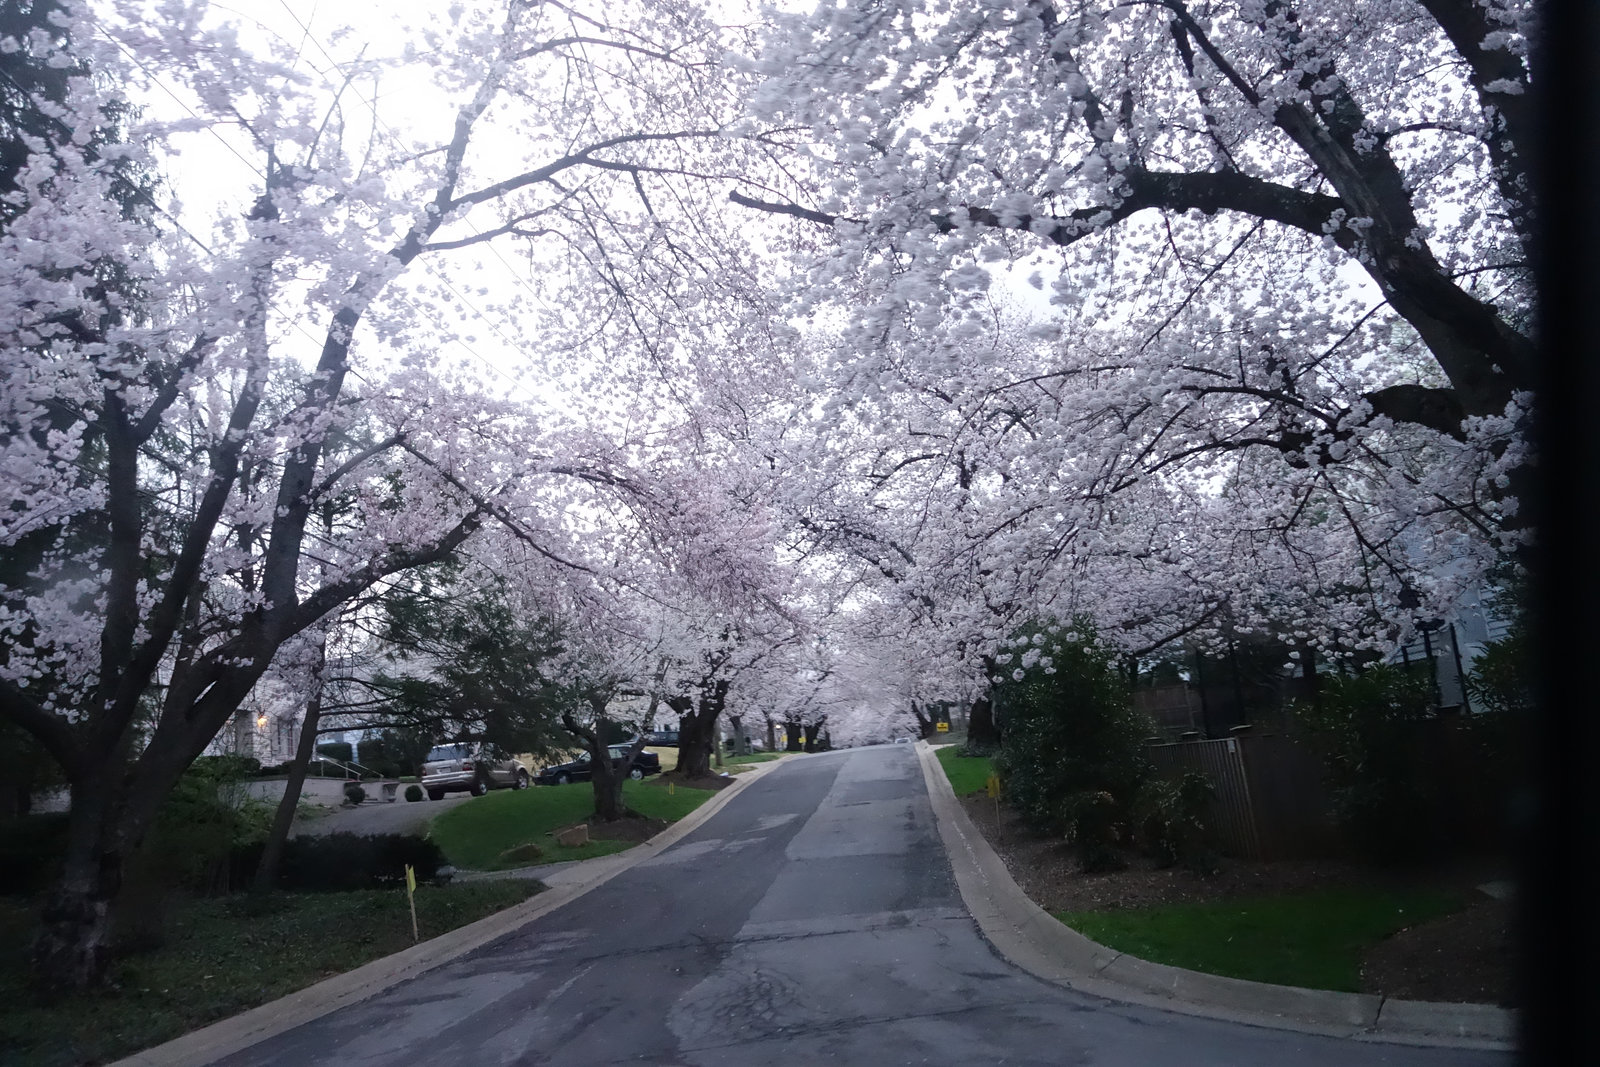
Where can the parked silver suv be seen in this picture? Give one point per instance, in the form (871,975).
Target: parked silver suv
(473,768)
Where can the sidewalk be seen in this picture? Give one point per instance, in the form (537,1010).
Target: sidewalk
(1036,941)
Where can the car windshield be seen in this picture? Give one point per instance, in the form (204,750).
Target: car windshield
(441,752)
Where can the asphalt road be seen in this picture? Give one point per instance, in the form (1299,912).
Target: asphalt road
(400,817)
(813,920)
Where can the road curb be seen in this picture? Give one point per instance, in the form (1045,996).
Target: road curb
(1033,939)
(236,1033)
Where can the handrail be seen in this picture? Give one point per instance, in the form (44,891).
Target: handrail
(350,768)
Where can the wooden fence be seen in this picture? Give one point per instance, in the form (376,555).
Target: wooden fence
(1269,803)
(1171,709)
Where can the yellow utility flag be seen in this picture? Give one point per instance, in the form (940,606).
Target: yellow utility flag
(411,898)
(993,785)
(669,787)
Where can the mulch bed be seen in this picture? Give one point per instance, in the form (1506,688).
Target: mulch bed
(634,828)
(709,781)
(1462,958)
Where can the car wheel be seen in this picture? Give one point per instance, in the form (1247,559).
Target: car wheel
(436,794)
(636,774)
(480,786)
(521,780)
(563,779)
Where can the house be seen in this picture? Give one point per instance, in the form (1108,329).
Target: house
(1447,647)
(266,726)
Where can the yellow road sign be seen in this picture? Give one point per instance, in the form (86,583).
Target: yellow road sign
(942,728)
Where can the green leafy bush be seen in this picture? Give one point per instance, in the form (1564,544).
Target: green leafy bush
(395,753)
(1093,820)
(343,751)
(207,814)
(317,768)
(1365,728)
(230,767)
(1501,680)
(355,794)
(1173,822)
(1071,759)
(31,848)
(413,792)
(344,862)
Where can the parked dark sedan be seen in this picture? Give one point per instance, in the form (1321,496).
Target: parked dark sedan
(645,763)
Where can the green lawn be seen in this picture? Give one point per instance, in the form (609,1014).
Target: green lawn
(1314,940)
(491,833)
(967,774)
(219,960)
(752,759)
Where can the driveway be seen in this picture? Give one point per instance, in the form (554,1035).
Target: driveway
(813,920)
(397,817)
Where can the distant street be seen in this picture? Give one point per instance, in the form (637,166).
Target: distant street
(813,920)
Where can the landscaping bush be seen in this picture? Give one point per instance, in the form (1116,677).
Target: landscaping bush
(1091,820)
(1172,820)
(1071,759)
(355,794)
(343,751)
(315,769)
(206,817)
(344,862)
(414,792)
(1364,726)
(31,848)
(226,768)
(207,814)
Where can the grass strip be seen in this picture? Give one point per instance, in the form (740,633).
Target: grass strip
(967,774)
(494,832)
(1314,940)
(219,956)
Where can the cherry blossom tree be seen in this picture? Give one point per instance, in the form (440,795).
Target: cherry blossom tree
(169,440)
(1282,375)
(1392,133)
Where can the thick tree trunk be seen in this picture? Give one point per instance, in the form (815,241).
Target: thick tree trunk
(697,730)
(741,740)
(927,723)
(607,778)
(772,736)
(73,949)
(605,774)
(811,730)
(266,876)
(982,731)
(794,739)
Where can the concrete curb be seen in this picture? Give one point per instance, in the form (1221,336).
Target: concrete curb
(211,1043)
(1036,941)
